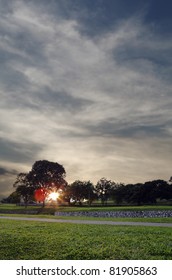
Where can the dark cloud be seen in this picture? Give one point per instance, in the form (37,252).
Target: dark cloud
(4,171)
(93,17)
(13,81)
(59,100)
(99,16)
(127,130)
(142,130)
(6,6)
(18,152)
(131,52)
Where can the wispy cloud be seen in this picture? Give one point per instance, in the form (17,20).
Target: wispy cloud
(100,105)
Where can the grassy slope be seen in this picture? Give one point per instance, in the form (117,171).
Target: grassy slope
(39,240)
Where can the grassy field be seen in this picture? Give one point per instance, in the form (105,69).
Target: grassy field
(51,210)
(38,240)
(149,220)
(48,212)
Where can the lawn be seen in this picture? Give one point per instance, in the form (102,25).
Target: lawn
(48,212)
(149,220)
(51,210)
(38,240)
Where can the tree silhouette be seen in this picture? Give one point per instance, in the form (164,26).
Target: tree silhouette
(47,175)
(23,187)
(79,191)
(103,189)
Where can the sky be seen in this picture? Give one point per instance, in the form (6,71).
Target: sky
(87,84)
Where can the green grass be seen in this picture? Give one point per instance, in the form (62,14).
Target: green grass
(149,220)
(114,208)
(48,212)
(51,210)
(23,240)
(10,206)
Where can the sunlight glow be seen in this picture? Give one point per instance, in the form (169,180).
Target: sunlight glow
(53,196)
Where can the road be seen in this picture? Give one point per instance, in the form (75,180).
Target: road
(87,222)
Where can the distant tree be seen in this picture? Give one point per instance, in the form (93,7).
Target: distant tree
(65,195)
(118,193)
(139,193)
(47,175)
(148,193)
(14,197)
(23,187)
(163,189)
(79,191)
(103,189)
(136,194)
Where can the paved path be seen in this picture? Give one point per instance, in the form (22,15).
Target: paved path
(90,222)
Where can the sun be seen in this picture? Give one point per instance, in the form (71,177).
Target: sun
(53,196)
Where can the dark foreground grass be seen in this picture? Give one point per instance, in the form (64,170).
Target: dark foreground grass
(23,240)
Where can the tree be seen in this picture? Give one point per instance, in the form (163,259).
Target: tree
(163,189)
(136,194)
(14,197)
(79,191)
(139,193)
(23,187)
(46,175)
(103,189)
(65,195)
(118,193)
(148,192)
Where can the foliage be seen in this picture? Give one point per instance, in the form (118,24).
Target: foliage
(46,174)
(79,191)
(23,187)
(14,197)
(103,189)
(118,193)
(146,193)
(50,176)
(163,189)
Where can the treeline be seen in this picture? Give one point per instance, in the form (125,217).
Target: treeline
(104,190)
(47,177)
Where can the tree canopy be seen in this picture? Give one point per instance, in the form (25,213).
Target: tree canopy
(47,174)
(46,177)
(23,187)
(79,191)
(103,189)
